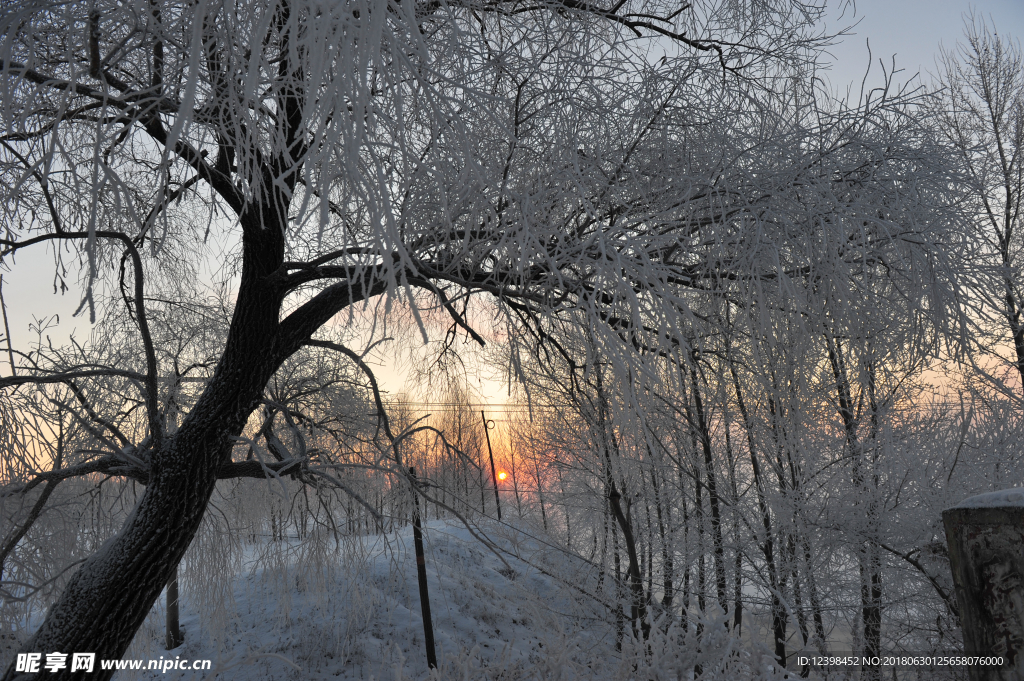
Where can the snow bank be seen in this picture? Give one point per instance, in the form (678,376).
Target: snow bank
(1001,499)
(523,617)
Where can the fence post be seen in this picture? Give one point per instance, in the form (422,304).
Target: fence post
(985,535)
(173,637)
(421,574)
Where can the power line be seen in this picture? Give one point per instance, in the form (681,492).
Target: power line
(473,406)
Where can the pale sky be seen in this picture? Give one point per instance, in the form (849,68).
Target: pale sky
(912,30)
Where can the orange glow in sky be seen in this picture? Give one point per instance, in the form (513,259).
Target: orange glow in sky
(502,475)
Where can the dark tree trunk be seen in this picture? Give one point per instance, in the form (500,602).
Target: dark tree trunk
(620,617)
(686,565)
(666,550)
(604,550)
(649,548)
(704,434)
(801,615)
(779,618)
(540,495)
(109,597)
(565,511)
(702,574)
(812,586)
(638,608)
(871,611)
(737,573)
(870,564)
(515,479)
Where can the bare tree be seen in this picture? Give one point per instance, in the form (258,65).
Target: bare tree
(980,110)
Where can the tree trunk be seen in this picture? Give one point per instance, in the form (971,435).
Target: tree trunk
(109,597)
(515,478)
(604,549)
(985,535)
(638,609)
(619,615)
(737,608)
(686,563)
(702,574)
(812,586)
(704,434)
(540,495)
(666,551)
(565,511)
(779,620)
(649,548)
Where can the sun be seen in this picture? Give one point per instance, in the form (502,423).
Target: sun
(502,475)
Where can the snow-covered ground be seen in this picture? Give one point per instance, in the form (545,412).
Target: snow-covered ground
(519,611)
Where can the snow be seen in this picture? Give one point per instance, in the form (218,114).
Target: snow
(1001,499)
(492,619)
(367,623)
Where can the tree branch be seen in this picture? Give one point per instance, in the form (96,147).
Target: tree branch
(150,380)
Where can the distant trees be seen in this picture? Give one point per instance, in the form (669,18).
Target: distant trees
(778,397)
(980,110)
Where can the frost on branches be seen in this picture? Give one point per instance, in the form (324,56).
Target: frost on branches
(644,174)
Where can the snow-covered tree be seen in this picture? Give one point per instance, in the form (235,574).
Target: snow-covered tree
(980,110)
(632,164)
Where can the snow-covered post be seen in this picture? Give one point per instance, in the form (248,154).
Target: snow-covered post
(985,534)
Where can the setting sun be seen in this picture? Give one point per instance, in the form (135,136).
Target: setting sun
(502,475)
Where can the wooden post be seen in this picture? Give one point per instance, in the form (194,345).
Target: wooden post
(173,631)
(421,574)
(985,535)
(515,479)
(540,492)
(494,474)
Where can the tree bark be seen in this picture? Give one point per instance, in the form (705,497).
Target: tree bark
(987,561)
(737,608)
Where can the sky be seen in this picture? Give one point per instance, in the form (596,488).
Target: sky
(909,30)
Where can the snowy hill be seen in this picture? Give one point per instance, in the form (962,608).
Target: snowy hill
(519,611)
